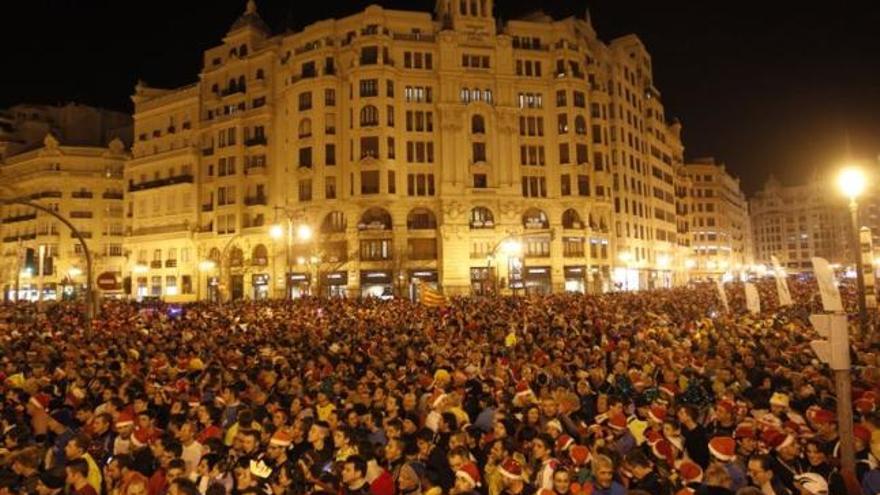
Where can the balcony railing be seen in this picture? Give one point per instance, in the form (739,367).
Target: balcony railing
(255,200)
(170,263)
(256,141)
(156,264)
(81,214)
(46,194)
(20,218)
(152,184)
(83,194)
(207,151)
(426,38)
(112,195)
(208,207)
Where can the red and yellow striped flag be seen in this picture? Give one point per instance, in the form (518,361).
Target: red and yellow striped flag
(430,296)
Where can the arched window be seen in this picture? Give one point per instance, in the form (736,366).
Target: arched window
(214,255)
(215,88)
(487,95)
(260,74)
(478,124)
(580,125)
(474,7)
(482,218)
(260,256)
(333,223)
(534,218)
(241,84)
(242,51)
(233,86)
(421,219)
(462,7)
(475,94)
(233,53)
(305,127)
(369,116)
(375,219)
(236,256)
(483,8)
(571,220)
(465,95)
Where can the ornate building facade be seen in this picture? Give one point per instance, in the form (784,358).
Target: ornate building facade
(68,159)
(446,148)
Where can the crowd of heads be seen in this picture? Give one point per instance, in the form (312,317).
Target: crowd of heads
(660,392)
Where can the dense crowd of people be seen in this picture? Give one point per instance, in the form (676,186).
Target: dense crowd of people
(659,392)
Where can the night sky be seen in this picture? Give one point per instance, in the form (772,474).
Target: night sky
(774,86)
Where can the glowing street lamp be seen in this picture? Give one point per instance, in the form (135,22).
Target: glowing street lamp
(74,272)
(625,256)
(511,247)
(276,232)
(851,181)
(304,232)
(690,264)
(663,262)
(207,265)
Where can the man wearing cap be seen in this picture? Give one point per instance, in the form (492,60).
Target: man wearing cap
(122,443)
(723,450)
(513,480)
(786,459)
(277,449)
(467,479)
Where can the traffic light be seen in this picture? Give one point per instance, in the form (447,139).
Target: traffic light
(834,350)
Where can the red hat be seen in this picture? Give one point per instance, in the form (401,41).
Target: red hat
(617,422)
(723,448)
(40,401)
(652,436)
(776,439)
(864,405)
(124,419)
(690,471)
(522,389)
(563,443)
(663,450)
(657,414)
(862,433)
(821,416)
(469,472)
(281,439)
(745,431)
(580,455)
(511,469)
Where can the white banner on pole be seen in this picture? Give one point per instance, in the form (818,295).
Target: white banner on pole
(827,287)
(781,283)
(722,295)
(753,300)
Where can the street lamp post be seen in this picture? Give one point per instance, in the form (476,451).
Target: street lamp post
(303,233)
(851,182)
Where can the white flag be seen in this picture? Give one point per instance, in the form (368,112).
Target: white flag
(827,287)
(781,283)
(722,295)
(753,301)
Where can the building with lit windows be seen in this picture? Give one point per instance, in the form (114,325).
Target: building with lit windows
(797,223)
(69,159)
(718,218)
(443,148)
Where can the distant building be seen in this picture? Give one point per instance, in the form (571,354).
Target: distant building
(69,159)
(414,145)
(797,223)
(718,220)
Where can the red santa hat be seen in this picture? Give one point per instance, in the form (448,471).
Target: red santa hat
(580,455)
(662,449)
(563,442)
(657,414)
(864,405)
(40,401)
(522,390)
(776,439)
(511,469)
(470,472)
(745,430)
(723,448)
(820,416)
(862,433)
(690,471)
(726,405)
(124,420)
(617,422)
(668,389)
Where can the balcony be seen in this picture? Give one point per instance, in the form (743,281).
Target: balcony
(424,38)
(81,214)
(207,151)
(255,200)
(46,194)
(112,195)
(170,263)
(169,181)
(10,238)
(156,264)
(256,141)
(20,218)
(84,233)
(82,194)
(208,207)
(255,169)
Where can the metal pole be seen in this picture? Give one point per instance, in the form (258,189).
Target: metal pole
(287,267)
(860,277)
(843,388)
